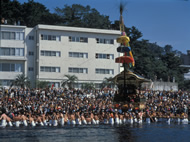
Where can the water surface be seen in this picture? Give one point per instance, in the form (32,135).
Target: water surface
(155,132)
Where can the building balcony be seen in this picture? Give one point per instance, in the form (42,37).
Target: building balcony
(13,58)
(9,75)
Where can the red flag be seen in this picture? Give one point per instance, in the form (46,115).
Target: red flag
(52,86)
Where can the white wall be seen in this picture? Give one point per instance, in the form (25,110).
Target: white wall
(5,43)
(64,46)
(64,62)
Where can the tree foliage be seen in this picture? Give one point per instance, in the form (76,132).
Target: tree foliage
(21,81)
(108,82)
(70,81)
(42,84)
(11,11)
(153,60)
(88,86)
(29,13)
(80,16)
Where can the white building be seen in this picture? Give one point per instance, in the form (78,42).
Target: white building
(49,52)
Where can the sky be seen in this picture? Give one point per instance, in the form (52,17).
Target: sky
(161,21)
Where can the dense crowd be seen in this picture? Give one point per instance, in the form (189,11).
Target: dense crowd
(53,107)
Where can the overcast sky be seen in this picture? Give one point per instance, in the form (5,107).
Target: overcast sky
(160,21)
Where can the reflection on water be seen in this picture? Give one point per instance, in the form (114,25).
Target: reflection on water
(133,133)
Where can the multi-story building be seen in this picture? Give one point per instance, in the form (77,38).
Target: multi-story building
(186,64)
(47,53)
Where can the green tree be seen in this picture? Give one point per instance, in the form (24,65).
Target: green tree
(168,48)
(34,13)
(21,81)
(186,85)
(108,82)
(173,62)
(29,13)
(42,84)
(70,81)
(152,60)
(11,11)
(88,86)
(80,16)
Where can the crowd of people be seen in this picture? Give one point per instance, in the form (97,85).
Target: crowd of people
(59,107)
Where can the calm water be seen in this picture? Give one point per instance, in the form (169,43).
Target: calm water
(157,132)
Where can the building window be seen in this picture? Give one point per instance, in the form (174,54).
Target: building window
(104,71)
(78,55)
(31,37)
(30,53)
(51,37)
(104,41)
(12,35)
(50,53)
(6,82)
(10,67)
(104,56)
(98,85)
(78,70)
(30,69)
(12,51)
(78,39)
(49,69)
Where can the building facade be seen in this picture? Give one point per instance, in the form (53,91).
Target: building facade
(186,64)
(47,53)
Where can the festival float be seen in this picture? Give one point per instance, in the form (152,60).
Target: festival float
(129,83)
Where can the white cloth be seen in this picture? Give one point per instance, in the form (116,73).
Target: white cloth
(168,120)
(140,121)
(93,122)
(120,121)
(41,124)
(45,123)
(111,121)
(135,120)
(33,124)
(147,120)
(68,122)
(10,124)
(62,122)
(55,123)
(84,122)
(117,121)
(156,120)
(105,121)
(73,122)
(184,121)
(131,121)
(25,123)
(17,123)
(124,121)
(3,123)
